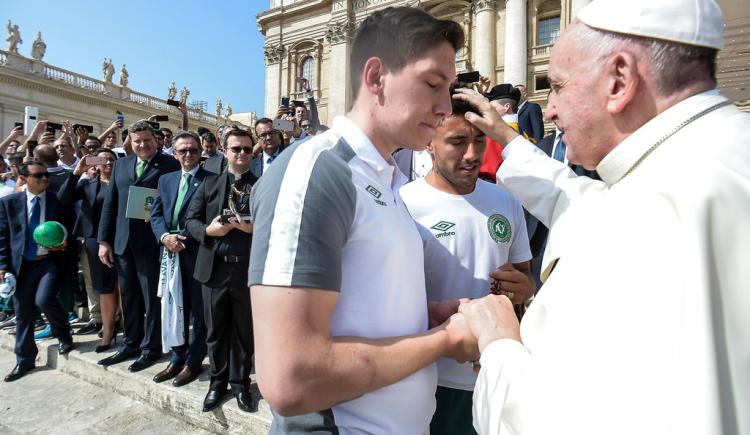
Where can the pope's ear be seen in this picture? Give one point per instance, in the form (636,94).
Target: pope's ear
(623,79)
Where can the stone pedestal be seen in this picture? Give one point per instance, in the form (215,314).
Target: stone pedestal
(515,42)
(37,67)
(484,52)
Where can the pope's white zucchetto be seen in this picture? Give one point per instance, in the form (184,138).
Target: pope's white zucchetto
(691,22)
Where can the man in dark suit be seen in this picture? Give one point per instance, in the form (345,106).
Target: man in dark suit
(223,259)
(130,245)
(271,140)
(554,146)
(168,224)
(34,266)
(67,269)
(529,116)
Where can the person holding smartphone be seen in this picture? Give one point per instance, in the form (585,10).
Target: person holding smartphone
(91,191)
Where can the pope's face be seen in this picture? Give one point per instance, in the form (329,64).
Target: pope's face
(577,102)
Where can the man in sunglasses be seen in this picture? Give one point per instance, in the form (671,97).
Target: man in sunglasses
(168,216)
(34,266)
(222,264)
(271,140)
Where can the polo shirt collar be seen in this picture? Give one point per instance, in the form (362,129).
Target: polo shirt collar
(366,151)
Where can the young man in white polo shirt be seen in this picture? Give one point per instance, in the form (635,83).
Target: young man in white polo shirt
(473,232)
(336,270)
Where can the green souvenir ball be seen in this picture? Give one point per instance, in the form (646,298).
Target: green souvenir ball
(50,234)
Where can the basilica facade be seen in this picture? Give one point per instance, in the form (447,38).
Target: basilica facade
(508,41)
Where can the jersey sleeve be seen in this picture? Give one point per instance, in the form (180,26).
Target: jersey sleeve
(302,210)
(519,248)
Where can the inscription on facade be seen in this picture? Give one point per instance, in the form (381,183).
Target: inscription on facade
(358,4)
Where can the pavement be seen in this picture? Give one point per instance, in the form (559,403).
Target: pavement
(88,398)
(49,401)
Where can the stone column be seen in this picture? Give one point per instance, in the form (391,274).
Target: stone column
(484,51)
(515,42)
(577,5)
(273,55)
(339,35)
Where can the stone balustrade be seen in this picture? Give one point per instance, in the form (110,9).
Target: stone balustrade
(70,78)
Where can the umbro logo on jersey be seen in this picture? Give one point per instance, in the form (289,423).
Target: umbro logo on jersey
(443,227)
(373,191)
(376,194)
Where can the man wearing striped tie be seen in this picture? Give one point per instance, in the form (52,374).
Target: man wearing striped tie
(168,223)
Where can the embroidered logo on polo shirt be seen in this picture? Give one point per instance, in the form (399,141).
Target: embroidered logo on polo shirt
(499,228)
(376,193)
(443,227)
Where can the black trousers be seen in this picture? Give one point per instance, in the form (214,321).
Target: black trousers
(226,302)
(138,275)
(37,287)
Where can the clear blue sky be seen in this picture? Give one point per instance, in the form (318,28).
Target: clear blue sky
(212,47)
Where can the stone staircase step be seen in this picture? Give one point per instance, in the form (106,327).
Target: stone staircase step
(185,402)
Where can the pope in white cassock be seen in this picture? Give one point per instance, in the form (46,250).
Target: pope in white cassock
(649,332)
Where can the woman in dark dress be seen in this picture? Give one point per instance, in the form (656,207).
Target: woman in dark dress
(91,192)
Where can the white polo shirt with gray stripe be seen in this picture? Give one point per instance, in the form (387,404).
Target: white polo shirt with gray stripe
(328,216)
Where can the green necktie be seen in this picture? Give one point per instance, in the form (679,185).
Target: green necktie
(139,169)
(180,198)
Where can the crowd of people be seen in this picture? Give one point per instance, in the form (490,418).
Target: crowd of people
(84,182)
(394,261)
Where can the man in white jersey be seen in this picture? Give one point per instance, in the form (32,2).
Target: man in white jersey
(336,270)
(649,334)
(473,232)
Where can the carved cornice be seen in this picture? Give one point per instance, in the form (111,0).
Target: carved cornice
(273,53)
(482,5)
(340,31)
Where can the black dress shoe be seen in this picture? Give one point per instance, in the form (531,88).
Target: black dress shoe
(18,372)
(120,356)
(90,328)
(64,347)
(187,375)
(245,401)
(213,399)
(143,362)
(168,373)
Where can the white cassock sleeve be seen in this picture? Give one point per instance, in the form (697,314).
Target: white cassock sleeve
(501,361)
(544,186)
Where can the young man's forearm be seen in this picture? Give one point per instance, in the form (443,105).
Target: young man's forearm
(344,368)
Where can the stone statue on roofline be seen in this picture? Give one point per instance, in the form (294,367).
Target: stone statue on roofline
(38,47)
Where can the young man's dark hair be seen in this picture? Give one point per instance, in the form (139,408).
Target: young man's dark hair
(105,150)
(236,133)
(416,30)
(158,133)
(163,129)
(92,137)
(208,137)
(24,168)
